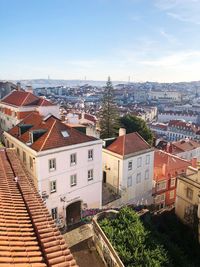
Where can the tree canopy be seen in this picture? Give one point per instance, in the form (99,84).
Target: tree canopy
(133,243)
(135,124)
(108,115)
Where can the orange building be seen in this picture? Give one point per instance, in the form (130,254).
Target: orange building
(166,169)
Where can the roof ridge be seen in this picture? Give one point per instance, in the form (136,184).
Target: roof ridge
(48,135)
(25,98)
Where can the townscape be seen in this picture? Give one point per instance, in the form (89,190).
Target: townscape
(89,159)
(99,133)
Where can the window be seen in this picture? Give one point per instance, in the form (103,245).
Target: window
(147,159)
(12,145)
(161,185)
(24,157)
(52,164)
(73,180)
(129,181)
(146,174)
(90,154)
(139,162)
(189,193)
(171,194)
(130,165)
(52,186)
(54,213)
(31,163)
(73,159)
(138,178)
(160,198)
(18,152)
(173,182)
(8,144)
(90,175)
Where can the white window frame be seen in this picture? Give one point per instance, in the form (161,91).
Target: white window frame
(73,180)
(146,176)
(90,175)
(189,193)
(160,198)
(138,178)
(52,164)
(90,154)
(129,181)
(147,159)
(24,157)
(54,213)
(139,162)
(53,186)
(73,159)
(130,165)
(172,182)
(162,185)
(30,162)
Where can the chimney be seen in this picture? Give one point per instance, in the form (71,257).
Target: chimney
(29,89)
(122,131)
(18,86)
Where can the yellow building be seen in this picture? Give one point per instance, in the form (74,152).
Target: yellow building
(187,206)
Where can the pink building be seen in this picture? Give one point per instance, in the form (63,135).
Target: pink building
(166,169)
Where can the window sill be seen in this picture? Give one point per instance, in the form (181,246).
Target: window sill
(73,185)
(53,191)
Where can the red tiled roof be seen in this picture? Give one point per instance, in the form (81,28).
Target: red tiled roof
(90,117)
(23,98)
(173,165)
(53,137)
(128,144)
(28,234)
(184,145)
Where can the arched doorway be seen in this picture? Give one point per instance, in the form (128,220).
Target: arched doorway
(73,213)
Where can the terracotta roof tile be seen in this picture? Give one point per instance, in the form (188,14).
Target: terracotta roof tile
(52,137)
(128,144)
(23,219)
(23,98)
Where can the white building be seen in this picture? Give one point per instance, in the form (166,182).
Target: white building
(128,164)
(165,96)
(65,164)
(18,104)
(166,116)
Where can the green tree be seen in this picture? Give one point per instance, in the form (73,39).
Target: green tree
(108,115)
(135,124)
(134,244)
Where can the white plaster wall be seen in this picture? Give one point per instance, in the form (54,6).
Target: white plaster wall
(164,117)
(89,192)
(137,193)
(45,110)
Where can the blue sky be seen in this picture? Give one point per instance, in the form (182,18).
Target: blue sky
(154,40)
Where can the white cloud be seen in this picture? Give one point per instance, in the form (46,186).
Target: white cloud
(182,10)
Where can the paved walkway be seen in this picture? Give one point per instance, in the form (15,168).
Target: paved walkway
(78,234)
(81,245)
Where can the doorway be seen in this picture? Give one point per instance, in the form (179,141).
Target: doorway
(73,213)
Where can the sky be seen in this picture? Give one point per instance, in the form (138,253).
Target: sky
(136,40)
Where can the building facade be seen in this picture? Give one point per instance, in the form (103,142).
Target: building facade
(64,163)
(166,169)
(128,168)
(187,205)
(18,104)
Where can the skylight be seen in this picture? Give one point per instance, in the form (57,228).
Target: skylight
(64,133)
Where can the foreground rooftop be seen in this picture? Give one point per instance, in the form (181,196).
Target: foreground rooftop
(28,234)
